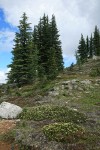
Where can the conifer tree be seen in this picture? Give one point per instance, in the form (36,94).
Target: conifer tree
(87,46)
(34,56)
(21,63)
(91,49)
(49,46)
(43,45)
(56,44)
(82,52)
(96,42)
(52,65)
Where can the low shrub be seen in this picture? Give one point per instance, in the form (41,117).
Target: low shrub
(57,113)
(63,132)
(95,72)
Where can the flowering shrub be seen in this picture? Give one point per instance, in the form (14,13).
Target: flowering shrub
(63,132)
(57,113)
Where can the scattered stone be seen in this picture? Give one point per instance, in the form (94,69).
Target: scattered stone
(53,93)
(65,82)
(87,82)
(9,111)
(74,109)
(98,81)
(96,84)
(74,84)
(87,92)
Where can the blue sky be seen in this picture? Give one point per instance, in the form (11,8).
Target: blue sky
(5,56)
(5,50)
(73,18)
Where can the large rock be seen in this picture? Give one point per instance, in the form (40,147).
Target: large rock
(9,111)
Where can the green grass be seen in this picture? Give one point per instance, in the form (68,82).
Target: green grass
(9,136)
(38,88)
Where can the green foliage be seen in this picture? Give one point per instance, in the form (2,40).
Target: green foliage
(50,53)
(64,132)
(71,67)
(82,51)
(9,136)
(96,41)
(20,68)
(57,113)
(89,47)
(56,44)
(95,72)
(36,55)
(17,93)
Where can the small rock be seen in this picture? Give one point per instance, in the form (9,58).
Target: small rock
(54,93)
(87,82)
(9,111)
(65,82)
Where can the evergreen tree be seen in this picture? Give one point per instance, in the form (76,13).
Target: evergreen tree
(91,49)
(21,63)
(52,65)
(34,53)
(96,42)
(82,52)
(43,45)
(87,46)
(49,46)
(56,44)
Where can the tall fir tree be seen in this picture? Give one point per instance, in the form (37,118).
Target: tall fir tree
(87,46)
(43,45)
(49,46)
(56,44)
(21,63)
(96,41)
(82,52)
(34,55)
(91,49)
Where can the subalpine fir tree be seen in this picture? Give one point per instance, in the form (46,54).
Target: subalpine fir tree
(43,46)
(82,52)
(96,41)
(52,65)
(49,46)
(21,63)
(91,49)
(13,75)
(34,55)
(56,44)
(87,46)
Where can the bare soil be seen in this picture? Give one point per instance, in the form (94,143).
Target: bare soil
(5,126)
(7,146)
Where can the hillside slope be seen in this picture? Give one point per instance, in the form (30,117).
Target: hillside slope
(63,114)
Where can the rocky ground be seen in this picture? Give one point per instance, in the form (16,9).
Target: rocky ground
(73,97)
